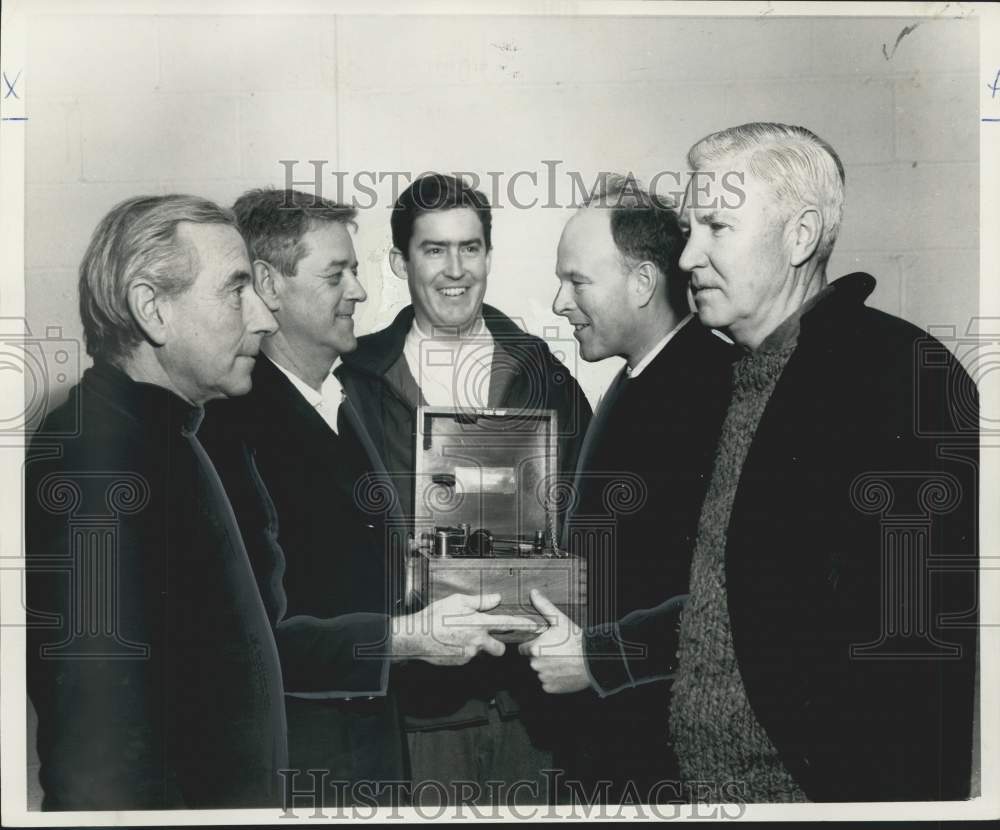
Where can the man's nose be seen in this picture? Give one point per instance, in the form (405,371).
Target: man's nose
(453,264)
(692,256)
(355,290)
(258,316)
(562,303)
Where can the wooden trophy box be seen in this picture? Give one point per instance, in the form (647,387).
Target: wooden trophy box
(485,517)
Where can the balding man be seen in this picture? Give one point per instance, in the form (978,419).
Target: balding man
(640,482)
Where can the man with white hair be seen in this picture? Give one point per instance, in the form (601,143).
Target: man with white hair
(806,668)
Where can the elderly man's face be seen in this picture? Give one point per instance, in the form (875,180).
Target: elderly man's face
(736,254)
(215,326)
(593,286)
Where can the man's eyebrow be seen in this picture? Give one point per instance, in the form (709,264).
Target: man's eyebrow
(237,279)
(443,243)
(340,263)
(724,216)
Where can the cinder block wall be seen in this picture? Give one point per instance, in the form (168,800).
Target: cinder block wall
(152,104)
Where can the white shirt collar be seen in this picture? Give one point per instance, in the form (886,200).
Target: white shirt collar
(659,347)
(447,333)
(327,400)
(447,367)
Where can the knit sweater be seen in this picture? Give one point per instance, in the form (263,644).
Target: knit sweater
(723,752)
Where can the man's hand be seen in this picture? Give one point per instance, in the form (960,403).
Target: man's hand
(451,631)
(557,653)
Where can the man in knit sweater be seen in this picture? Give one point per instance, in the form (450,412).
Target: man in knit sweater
(640,481)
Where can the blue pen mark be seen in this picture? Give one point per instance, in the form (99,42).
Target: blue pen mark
(995,86)
(10,85)
(991,119)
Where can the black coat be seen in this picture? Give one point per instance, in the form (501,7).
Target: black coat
(162,689)
(526,374)
(867,405)
(641,485)
(337,572)
(855,522)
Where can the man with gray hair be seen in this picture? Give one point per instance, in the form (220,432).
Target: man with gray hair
(827,649)
(341,544)
(151,661)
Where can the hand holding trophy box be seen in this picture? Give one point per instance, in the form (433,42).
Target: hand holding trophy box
(485,517)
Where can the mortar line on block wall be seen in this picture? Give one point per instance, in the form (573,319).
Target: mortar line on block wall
(740,79)
(241,101)
(336,90)
(77,112)
(902,286)
(893,115)
(908,163)
(158,53)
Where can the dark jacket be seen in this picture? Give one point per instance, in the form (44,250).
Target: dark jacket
(850,560)
(162,688)
(525,374)
(337,572)
(641,486)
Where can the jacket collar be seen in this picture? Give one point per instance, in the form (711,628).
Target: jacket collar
(842,296)
(146,403)
(378,351)
(273,389)
(820,311)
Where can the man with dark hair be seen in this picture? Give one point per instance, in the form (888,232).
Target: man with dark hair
(151,662)
(433,193)
(647,453)
(342,565)
(449,349)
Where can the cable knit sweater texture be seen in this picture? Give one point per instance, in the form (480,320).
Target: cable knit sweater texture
(723,751)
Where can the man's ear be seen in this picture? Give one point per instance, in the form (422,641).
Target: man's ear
(645,282)
(398,263)
(265,278)
(148,309)
(805,230)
